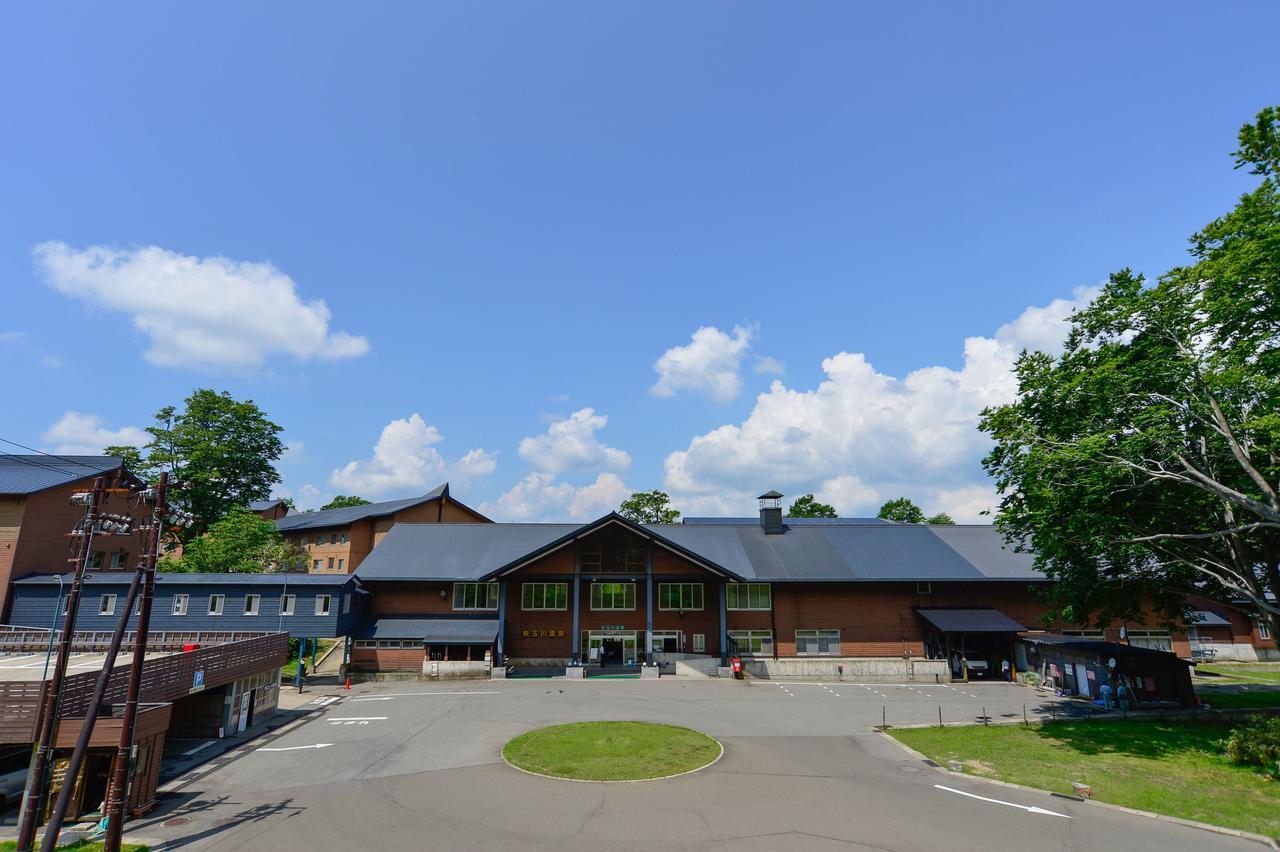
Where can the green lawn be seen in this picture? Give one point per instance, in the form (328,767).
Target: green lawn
(1260,673)
(1239,700)
(82,846)
(1173,768)
(290,669)
(611,751)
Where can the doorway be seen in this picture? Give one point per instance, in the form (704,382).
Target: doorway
(611,648)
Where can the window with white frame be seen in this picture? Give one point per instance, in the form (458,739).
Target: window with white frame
(366,643)
(333,538)
(820,643)
(747,596)
(475,595)
(118,560)
(96,561)
(179,605)
(315,565)
(286,604)
(323,602)
(679,596)
(216,603)
(66,605)
(540,596)
(391,643)
(607,596)
(753,643)
(107,605)
(330,563)
(342,564)
(924,588)
(1156,640)
(342,538)
(1086,634)
(699,643)
(1264,632)
(252,603)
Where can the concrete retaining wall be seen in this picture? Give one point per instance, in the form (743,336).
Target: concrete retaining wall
(454,669)
(861,669)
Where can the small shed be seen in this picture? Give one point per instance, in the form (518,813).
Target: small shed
(1080,666)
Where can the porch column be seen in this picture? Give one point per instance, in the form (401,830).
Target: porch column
(724,628)
(648,603)
(502,622)
(577,583)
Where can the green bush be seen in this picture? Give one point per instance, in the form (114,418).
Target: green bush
(1256,743)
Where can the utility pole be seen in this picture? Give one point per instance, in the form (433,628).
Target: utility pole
(48,721)
(118,789)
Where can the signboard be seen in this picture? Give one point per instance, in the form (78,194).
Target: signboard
(613,627)
(197,682)
(542,634)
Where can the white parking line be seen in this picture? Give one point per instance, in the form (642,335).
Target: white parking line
(297,748)
(201,747)
(1028,808)
(357,719)
(414,694)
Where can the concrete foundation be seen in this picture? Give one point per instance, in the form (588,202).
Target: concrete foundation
(454,669)
(574,672)
(649,672)
(858,669)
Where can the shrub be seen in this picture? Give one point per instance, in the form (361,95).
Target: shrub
(1256,743)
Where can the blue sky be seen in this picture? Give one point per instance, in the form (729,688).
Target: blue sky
(515,212)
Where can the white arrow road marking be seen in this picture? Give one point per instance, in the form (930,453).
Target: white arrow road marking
(296,748)
(357,719)
(1028,808)
(377,698)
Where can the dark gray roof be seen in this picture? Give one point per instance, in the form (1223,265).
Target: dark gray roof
(264,505)
(1096,646)
(29,474)
(796,522)
(820,552)
(123,578)
(970,620)
(431,631)
(1205,618)
(351,514)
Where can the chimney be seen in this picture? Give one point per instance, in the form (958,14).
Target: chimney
(771,512)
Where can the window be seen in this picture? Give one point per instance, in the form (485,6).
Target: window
(1264,632)
(330,563)
(118,561)
(475,595)
(823,643)
(251,604)
(107,605)
(753,643)
(322,604)
(389,643)
(924,588)
(315,565)
(66,604)
(342,539)
(346,604)
(1086,634)
(286,604)
(137,605)
(342,564)
(179,604)
(699,643)
(366,643)
(679,596)
(747,596)
(544,596)
(613,595)
(1156,640)
(95,561)
(333,538)
(215,604)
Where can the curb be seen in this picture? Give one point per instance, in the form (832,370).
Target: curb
(1203,826)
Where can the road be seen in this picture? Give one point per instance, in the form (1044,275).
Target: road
(398,765)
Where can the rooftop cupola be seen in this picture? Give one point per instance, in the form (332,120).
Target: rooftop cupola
(771,512)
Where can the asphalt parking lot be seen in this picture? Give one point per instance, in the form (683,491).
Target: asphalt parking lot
(412,765)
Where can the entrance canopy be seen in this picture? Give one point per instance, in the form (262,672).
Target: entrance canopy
(970,620)
(433,631)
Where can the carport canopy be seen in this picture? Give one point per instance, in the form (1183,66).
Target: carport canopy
(433,631)
(970,620)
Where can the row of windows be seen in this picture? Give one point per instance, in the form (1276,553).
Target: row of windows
(388,643)
(809,643)
(611,596)
(334,538)
(217,604)
(318,564)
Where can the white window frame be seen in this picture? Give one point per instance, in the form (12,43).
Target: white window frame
(460,594)
(342,564)
(924,587)
(628,591)
(66,604)
(1264,632)
(118,559)
(179,606)
(736,590)
(696,595)
(346,604)
(328,604)
(366,643)
(217,604)
(257,604)
(533,592)
(287,604)
(751,637)
(107,605)
(699,643)
(817,637)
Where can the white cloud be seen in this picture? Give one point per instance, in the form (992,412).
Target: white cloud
(405,460)
(539,497)
(81,434)
(210,312)
(709,364)
(571,445)
(294,451)
(862,436)
(308,497)
(769,366)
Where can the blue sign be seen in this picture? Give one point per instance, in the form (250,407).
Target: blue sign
(197,682)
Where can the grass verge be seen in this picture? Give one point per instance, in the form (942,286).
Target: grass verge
(1259,673)
(611,751)
(290,669)
(1240,700)
(1173,768)
(80,846)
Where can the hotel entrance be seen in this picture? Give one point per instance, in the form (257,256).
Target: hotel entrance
(610,648)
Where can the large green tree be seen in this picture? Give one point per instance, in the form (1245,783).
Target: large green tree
(809,507)
(241,542)
(902,510)
(222,451)
(1144,462)
(649,507)
(343,501)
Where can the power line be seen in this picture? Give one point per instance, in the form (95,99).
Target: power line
(50,455)
(32,463)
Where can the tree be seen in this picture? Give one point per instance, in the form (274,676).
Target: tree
(942,519)
(221,450)
(1144,462)
(649,507)
(241,542)
(342,501)
(903,510)
(808,507)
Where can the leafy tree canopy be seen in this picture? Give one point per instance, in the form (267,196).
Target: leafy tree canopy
(941,518)
(1144,462)
(222,451)
(903,510)
(242,543)
(649,507)
(808,507)
(342,501)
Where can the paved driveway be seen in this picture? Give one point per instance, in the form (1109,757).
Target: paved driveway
(415,766)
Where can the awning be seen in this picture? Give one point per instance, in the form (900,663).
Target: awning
(1204,618)
(970,620)
(432,631)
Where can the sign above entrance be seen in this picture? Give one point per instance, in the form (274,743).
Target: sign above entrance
(613,627)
